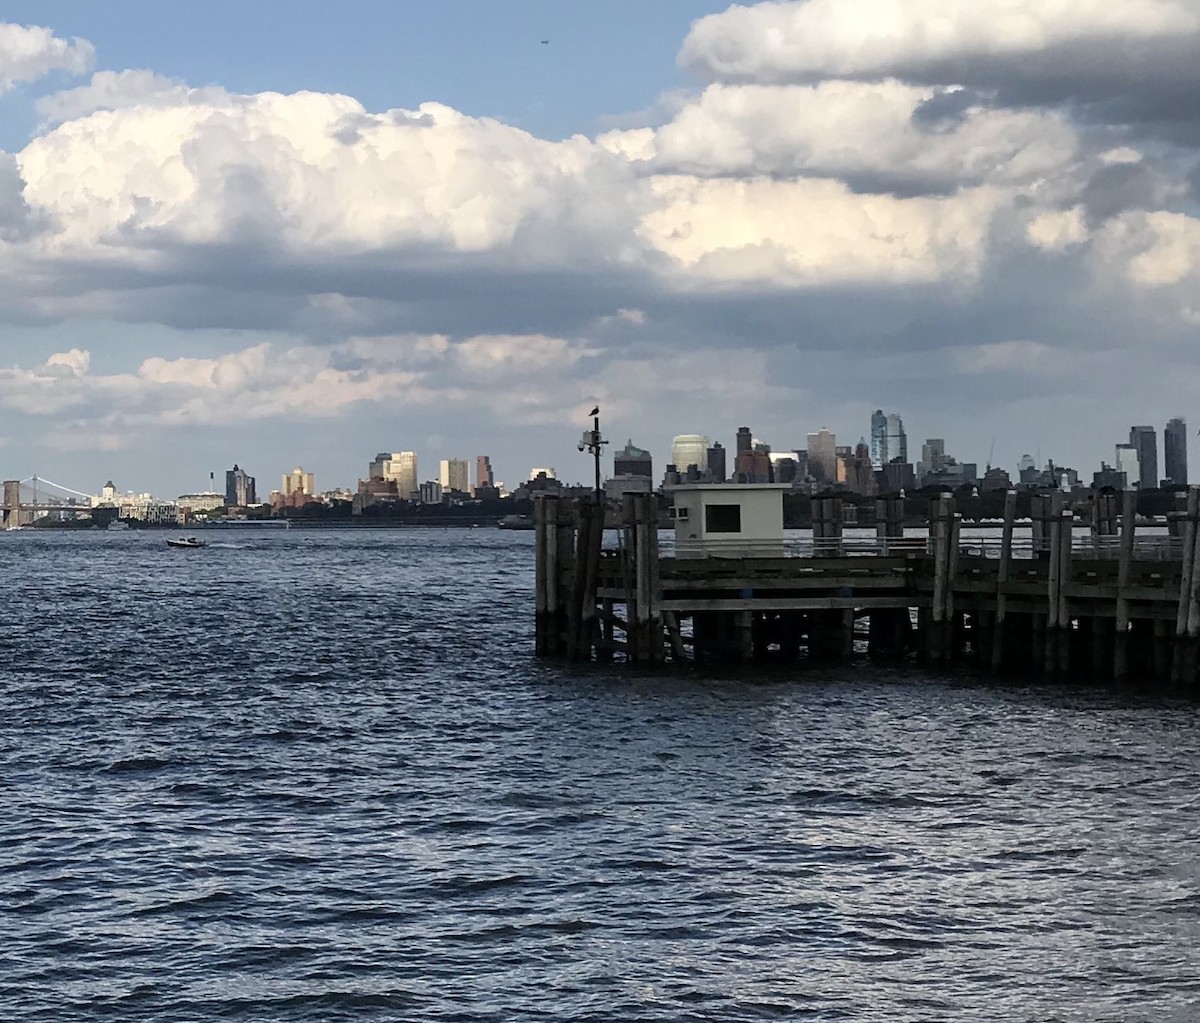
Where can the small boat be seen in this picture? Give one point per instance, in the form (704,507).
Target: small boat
(186,541)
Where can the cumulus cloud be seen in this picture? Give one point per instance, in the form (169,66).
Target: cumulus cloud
(1070,47)
(872,135)
(814,232)
(29,52)
(116,90)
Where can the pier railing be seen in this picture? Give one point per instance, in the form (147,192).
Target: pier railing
(1150,548)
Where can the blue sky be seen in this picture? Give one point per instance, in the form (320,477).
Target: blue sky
(480,56)
(302,233)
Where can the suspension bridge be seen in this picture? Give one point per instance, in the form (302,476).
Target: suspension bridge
(26,501)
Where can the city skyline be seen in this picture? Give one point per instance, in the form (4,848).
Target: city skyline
(426,227)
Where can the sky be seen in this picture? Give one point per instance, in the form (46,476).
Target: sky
(299,234)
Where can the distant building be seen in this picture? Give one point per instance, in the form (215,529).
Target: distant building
(898,475)
(430,492)
(888,439)
(783,468)
(483,473)
(1127,463)
(802,470)
(689,449)
(633,461)
(191,504)
(859,473)
(298,481)
(716,464)
(1145,440)
(402,468)
(1175,451)
(1108,477)
(745,440)
(822,456)
(878,438)
(752,467)
(933,457)
(454,474)
(239,488)
(546,472)
(995,478)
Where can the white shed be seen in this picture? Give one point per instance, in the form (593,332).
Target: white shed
(733,520)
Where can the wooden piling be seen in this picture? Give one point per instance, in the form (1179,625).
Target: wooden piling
(1124,569)
(1065,622)
(1002,571)
(1187,569)
(1053,603)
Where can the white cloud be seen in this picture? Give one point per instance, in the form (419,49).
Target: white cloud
(815,232)
(808,41)
(852,130)
(29,52)
(117,90)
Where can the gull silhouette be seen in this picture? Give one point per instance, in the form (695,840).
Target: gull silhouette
(595,411)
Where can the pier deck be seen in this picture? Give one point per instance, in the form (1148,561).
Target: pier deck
(1109,605)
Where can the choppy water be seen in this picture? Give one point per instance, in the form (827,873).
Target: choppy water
(319,776)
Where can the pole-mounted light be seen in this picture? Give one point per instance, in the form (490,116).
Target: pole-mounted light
(593,442)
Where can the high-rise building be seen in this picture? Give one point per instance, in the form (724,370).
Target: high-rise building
(716,463)
(298,482)
(378,464)
(822,456)
(455,474)
(879,438)
(239,488)
(745,441)
(888,439)
(933,458)
(897,439)
(752,467)
(633,461)
(1145,440)
(401,469)
(1127,463)
(689,449)
(1175,451)
(483,472)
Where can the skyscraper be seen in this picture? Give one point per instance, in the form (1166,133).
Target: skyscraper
(633,461)
(689,449)
(1175,451)
(298,481)
(1127,462)
(455,474)
(716,463)
(1145,440)
(888,439)
(822,456)
(879,422)
(402,469)
(745,441)
(239,488)
(897,439)
(483,472)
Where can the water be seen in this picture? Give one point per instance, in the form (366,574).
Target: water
(318,776)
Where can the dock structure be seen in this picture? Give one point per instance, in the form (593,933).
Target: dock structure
(1109,604)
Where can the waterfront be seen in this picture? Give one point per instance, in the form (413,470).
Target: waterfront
(320,776)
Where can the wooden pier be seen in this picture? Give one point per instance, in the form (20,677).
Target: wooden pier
(1108,605)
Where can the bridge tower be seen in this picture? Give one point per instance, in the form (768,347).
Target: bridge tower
(10,511)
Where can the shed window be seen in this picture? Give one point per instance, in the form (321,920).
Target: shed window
(723,518)
(679,513)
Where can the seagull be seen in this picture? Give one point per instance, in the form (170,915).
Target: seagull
(595,411)
(545,42)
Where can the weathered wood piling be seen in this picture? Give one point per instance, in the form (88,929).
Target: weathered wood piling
(1054,603)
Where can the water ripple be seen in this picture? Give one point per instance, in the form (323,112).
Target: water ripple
(319,777)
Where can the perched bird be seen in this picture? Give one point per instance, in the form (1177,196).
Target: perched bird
(595,411)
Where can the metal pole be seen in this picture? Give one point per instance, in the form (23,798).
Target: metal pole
(596,456)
